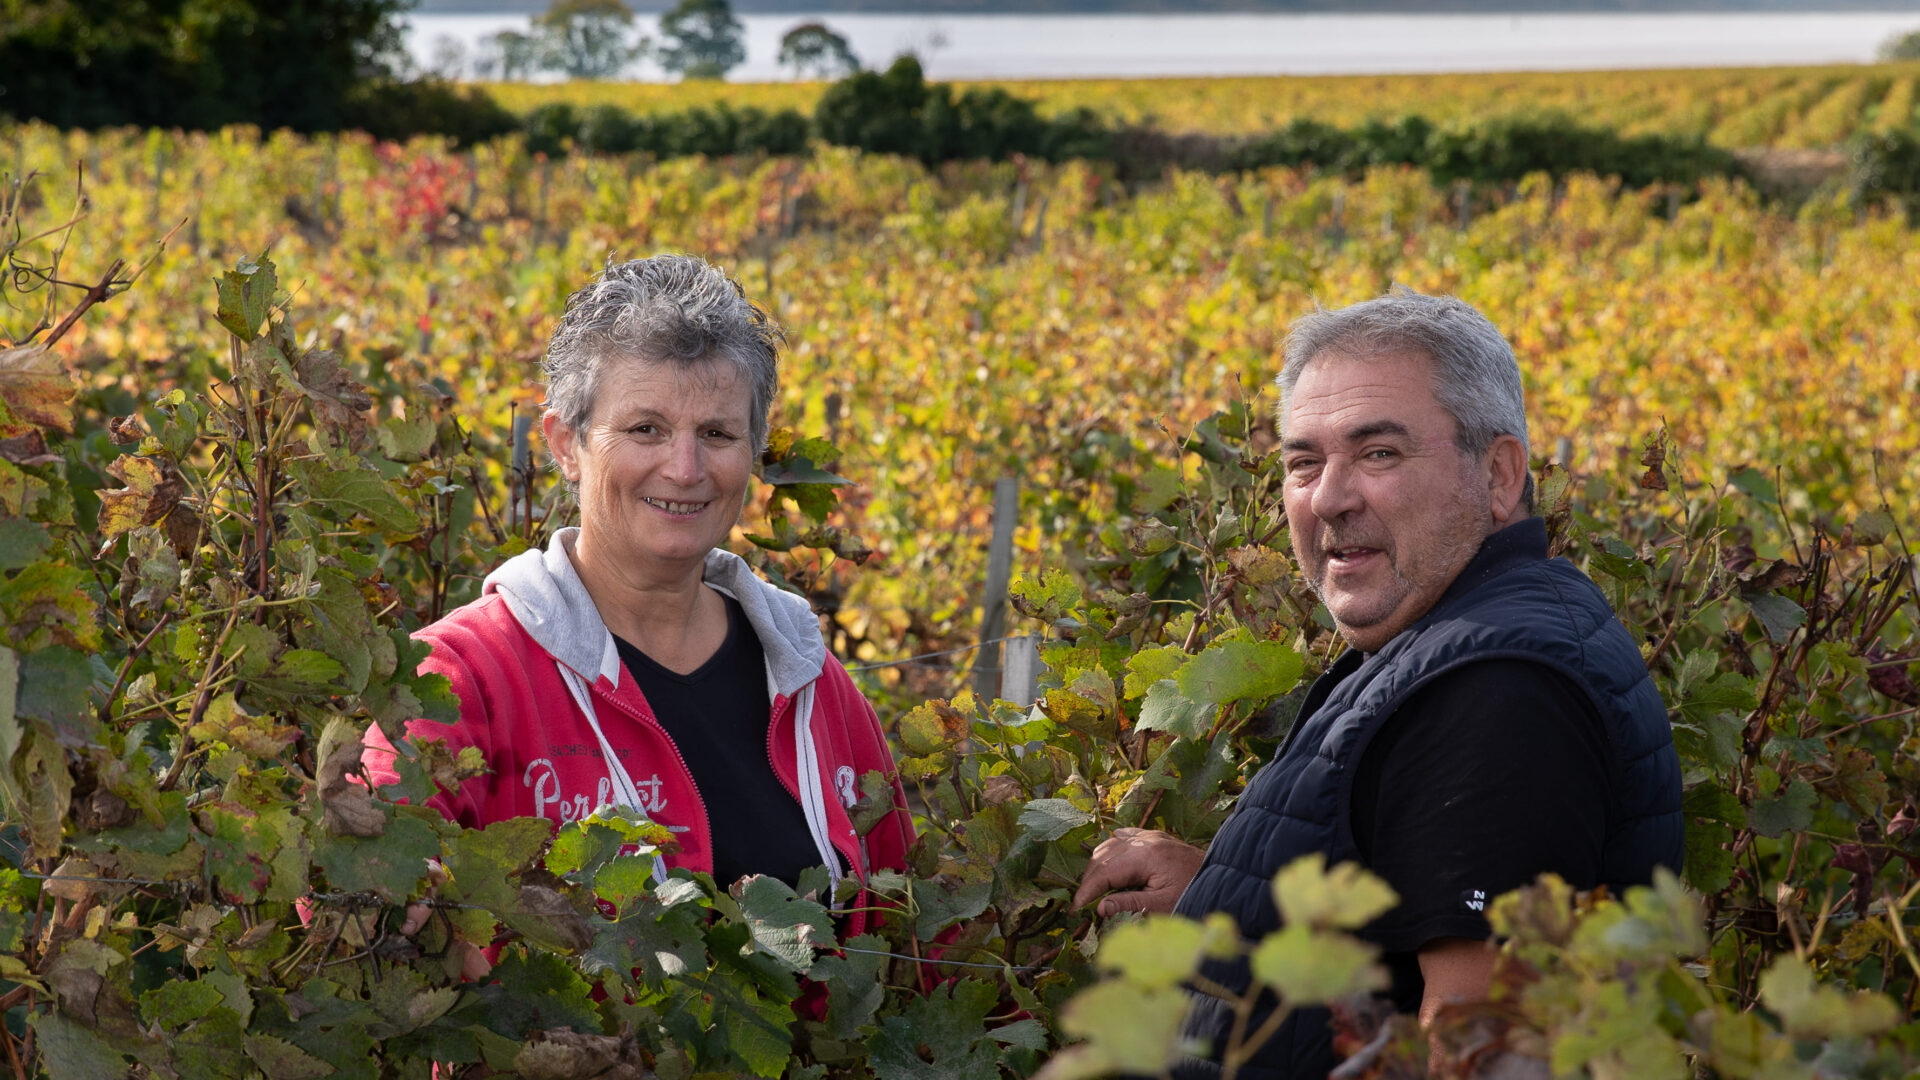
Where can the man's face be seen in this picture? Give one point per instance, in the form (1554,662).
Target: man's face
(1384,510)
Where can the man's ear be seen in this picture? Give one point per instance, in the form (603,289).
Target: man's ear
(1506,479)
(562,444)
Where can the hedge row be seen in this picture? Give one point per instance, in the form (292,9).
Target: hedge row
(899,112)
(1506,148)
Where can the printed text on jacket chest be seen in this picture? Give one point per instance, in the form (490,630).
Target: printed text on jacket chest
(557,793)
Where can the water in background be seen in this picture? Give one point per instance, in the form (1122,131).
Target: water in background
(1064,46)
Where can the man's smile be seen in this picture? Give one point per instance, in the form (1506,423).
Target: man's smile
(1349,555)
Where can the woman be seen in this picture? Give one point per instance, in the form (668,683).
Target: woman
(635,663)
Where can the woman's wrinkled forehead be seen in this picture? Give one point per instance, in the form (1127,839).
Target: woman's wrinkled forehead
(713,388)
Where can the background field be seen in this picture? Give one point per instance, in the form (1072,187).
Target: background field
(953,326)
(1732,107)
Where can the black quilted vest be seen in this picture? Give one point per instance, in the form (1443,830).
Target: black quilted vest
(1511,602)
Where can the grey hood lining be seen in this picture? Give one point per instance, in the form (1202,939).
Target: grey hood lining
(552,605)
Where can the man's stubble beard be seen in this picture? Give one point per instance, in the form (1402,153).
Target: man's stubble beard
(1463,533)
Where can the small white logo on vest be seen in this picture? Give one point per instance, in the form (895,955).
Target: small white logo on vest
(1474,899)
(843,782)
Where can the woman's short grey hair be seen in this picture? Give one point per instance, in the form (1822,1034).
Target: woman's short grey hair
(668,309)
(1475,377)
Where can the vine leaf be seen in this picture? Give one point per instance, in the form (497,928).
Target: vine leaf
(1051,819)
(1810,1011)
(281,1060)
(35,391)
(21,542)
(1230,671)
(390,865)
(1778,615)
(948,1026)
(1167,709)
(1345,898)
(537,991)
(1310,967)
(74,1052)
(354,487)
(783,925)
(1129,1029)
(1149,666)
(1159,952)
(246,297)
(1789,811)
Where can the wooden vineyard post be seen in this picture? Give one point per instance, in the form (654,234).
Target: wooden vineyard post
(1020,668)
(520,501)
(993,597)
(159,175)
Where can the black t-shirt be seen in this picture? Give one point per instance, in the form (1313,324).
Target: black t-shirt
(717,716)
(1487,777)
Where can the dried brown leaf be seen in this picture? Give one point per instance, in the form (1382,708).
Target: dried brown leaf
(564,1054)
(338,401)
(346,807)
(36,389)
(153,487)
(28,449)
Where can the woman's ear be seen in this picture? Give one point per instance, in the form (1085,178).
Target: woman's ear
(1507,480)
(562,444)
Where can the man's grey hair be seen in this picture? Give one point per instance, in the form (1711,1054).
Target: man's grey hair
(1475,377)
(675,309)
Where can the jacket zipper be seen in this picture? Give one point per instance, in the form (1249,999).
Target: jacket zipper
(856,863)
(647,721)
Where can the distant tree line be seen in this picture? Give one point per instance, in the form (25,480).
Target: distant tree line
(601,39)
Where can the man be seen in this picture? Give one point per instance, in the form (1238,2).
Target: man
(1490,721)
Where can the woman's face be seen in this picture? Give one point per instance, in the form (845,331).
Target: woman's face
(662,467)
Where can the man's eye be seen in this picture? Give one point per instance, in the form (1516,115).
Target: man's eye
(643,429)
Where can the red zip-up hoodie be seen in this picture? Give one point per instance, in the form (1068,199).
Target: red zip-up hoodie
(544,697)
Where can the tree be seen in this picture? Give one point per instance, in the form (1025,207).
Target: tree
(1901,47)
(274,63)
(508,55)
(449,58)
(587,39)
(702,39)
(813,47)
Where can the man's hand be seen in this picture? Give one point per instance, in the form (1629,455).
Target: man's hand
(1142,869)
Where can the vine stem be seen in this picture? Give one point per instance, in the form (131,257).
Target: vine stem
(205,698)
(13,1059)
(126,668)
(97,293)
